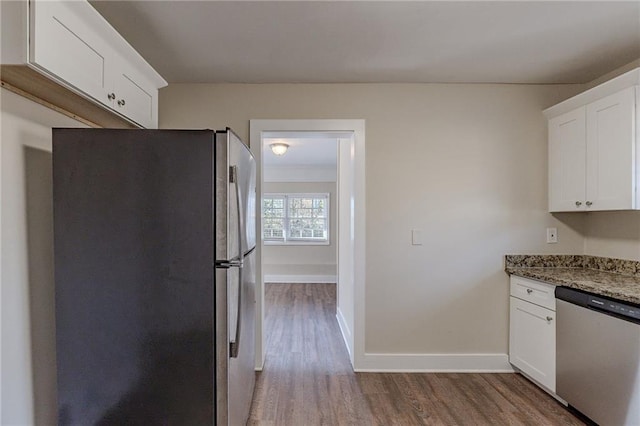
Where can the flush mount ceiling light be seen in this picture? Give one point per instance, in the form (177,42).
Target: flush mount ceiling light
(279,148)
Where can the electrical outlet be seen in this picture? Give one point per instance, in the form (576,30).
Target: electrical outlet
(552,235)
(416,237)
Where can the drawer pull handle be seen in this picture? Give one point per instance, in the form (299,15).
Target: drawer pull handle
(549,319)
(578,203)
(529,291)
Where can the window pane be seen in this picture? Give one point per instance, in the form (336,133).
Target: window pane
(307,217)
(273,217)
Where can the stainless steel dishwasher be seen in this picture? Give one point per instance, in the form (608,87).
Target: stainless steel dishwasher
(598,356)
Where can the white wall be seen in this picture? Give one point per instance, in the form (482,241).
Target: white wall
(28,328)
(466,163)
(613,234)
(302,260)
(345,306)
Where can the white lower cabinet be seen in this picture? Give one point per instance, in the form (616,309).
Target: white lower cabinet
(532,336)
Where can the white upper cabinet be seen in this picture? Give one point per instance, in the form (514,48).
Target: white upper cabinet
(72,44)
(611,148)
(592,148)
(567,161)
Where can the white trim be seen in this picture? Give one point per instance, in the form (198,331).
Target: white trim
(432,363)
(307,279)
(354,129)
(344,330)
(300,174)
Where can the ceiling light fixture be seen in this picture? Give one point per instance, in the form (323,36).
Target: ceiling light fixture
(279,148)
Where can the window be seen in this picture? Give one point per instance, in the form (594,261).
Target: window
(295,218)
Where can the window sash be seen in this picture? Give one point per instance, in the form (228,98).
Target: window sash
(274,218)
(295,218)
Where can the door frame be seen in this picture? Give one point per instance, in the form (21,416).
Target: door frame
(349,149)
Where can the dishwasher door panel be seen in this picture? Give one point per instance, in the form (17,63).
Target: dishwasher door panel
(598,364)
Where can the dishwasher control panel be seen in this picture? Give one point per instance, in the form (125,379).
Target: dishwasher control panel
(623,310)
(614,307)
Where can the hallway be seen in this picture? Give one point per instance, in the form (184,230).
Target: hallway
(307,379)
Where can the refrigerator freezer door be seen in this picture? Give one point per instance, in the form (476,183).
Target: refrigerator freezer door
(241,368)
(222,344)
(235,376)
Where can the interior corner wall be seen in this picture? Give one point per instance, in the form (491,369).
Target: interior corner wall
(27,294)
(464,163)
(303,260)
(613,234)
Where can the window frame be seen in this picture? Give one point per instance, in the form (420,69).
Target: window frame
(296,241)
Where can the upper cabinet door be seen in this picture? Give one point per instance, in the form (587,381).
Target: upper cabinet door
(135,97)
(567,161)
(611,152)
(64,45)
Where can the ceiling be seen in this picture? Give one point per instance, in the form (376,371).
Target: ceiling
(379,41)
(303,152)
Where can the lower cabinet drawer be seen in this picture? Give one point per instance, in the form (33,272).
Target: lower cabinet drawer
(533,291)
(532,341)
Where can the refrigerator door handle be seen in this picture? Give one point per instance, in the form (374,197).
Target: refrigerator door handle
(235,342)
(233,178)
(236,262)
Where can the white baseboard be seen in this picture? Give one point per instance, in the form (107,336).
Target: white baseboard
(435,363)
(344,330)
(308,279)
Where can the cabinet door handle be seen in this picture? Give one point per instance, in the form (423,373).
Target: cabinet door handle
(549,319)
(578,203)
(589,203)
(121,102)
(529,291)
(111,96)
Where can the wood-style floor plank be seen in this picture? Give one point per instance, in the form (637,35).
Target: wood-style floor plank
(307,379)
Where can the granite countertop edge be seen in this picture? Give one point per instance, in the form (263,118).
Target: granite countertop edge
(606,283)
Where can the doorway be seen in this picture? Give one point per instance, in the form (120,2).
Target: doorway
(299,199)
(349,220)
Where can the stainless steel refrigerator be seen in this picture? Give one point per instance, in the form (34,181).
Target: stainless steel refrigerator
(154,238)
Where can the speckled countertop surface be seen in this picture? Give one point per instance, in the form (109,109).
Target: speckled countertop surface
(616,278)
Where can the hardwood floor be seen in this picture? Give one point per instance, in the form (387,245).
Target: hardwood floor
(307,379)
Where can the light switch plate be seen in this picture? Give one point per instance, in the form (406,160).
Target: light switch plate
(552,235)
(416,237)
